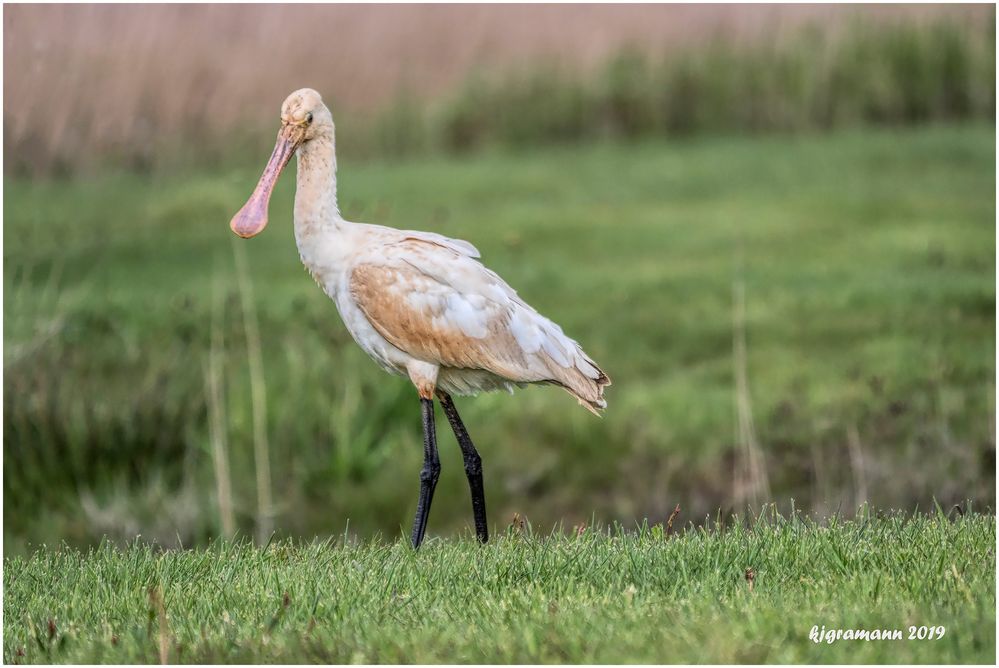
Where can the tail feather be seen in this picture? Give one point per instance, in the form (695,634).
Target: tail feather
(549,356)
(589,392)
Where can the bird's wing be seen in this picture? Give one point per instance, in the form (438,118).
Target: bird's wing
(441,306)
(458,245)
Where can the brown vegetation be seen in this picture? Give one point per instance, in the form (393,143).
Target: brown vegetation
(88,81)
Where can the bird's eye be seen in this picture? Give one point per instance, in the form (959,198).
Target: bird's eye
(308,117)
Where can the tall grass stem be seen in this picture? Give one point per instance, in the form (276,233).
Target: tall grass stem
(754,485)
(258,397)
(218,433)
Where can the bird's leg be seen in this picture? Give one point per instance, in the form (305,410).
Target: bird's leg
(429,474)
(473,465)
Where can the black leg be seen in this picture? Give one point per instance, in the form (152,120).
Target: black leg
(473,466)
(429,474)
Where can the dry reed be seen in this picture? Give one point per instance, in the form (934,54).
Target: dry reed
(258,398)
(218,432)
(857,466)
(87,83)
(752,483)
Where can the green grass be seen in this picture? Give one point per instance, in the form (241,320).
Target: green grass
(608,597)
(868,259)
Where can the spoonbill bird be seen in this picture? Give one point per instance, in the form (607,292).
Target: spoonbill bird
(419,303)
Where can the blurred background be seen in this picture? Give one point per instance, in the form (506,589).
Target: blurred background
(773,226)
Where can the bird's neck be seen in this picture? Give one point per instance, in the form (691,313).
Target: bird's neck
(317,216)
(315,197)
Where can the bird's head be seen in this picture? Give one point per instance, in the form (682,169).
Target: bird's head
(304,118)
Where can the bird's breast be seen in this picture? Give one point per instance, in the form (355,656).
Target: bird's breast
(321,257)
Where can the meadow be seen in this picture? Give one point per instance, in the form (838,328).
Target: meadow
(742,592)
(805,316)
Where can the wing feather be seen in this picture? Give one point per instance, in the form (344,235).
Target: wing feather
(441,306)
